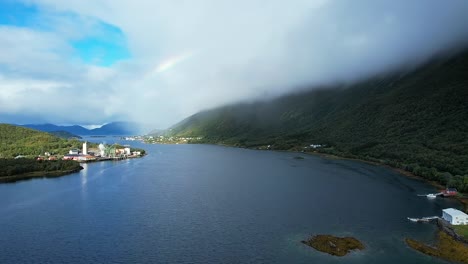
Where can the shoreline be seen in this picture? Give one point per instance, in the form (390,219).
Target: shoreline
(52,174)
(462,200)
(449,245)
(37,175)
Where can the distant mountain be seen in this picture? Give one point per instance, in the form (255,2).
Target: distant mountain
(77,130)
(417,121)
(64,134)
(114,128)
(117,128)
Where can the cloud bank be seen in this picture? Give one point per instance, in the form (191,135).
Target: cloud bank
(186,56)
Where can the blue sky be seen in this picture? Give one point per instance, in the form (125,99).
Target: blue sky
(91,62)
(17,14)
(104,49)
(103,46)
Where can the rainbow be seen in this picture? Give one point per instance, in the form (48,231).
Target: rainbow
(171,62)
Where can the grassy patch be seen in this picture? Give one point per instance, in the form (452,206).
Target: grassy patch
(462,230)
(336,246)
(446,248)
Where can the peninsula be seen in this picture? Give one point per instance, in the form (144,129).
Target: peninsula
(26,153)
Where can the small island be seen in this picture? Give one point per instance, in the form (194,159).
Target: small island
(336,246)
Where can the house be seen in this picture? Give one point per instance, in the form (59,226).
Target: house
(120,152)
(127,151)
(454,216)
(74,152)
(449,192)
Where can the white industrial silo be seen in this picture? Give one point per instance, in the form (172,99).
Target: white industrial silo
(85,148)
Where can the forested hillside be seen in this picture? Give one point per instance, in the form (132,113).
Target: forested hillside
(416,120)
(15,140)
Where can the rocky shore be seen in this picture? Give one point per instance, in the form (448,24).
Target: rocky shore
(450,245)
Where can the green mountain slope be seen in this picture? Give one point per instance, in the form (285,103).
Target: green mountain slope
(417,121)
(64,134)
(15,140)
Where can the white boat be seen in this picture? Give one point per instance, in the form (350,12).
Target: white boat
(431,196)
(412,219)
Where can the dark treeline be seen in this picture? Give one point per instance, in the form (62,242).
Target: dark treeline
(12,167)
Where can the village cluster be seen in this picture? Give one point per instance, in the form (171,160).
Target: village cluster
(103,152)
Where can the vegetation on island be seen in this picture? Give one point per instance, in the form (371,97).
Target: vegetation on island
(336,246)
(446,248)
(19,169)
(461,230)
(415,120)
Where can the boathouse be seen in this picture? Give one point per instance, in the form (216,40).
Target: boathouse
(449,192)
(454,216)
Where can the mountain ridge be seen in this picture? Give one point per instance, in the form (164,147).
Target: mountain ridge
(113,128)
(415,120)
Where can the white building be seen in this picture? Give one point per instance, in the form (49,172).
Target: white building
(74,152)
(454,216)
(85,148)
(127,151)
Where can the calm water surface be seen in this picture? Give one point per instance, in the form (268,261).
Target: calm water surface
(211,204)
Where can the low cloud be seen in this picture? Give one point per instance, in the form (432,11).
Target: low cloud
(192,55)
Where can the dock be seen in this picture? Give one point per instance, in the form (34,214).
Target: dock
(423,219)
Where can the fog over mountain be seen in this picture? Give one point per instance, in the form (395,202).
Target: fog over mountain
(180,57)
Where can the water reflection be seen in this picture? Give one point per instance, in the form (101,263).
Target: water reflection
(84,174)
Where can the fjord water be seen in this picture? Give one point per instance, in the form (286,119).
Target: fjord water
(212,204)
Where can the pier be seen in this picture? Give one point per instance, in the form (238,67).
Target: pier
(423,219)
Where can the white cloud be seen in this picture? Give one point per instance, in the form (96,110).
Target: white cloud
(192,55)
